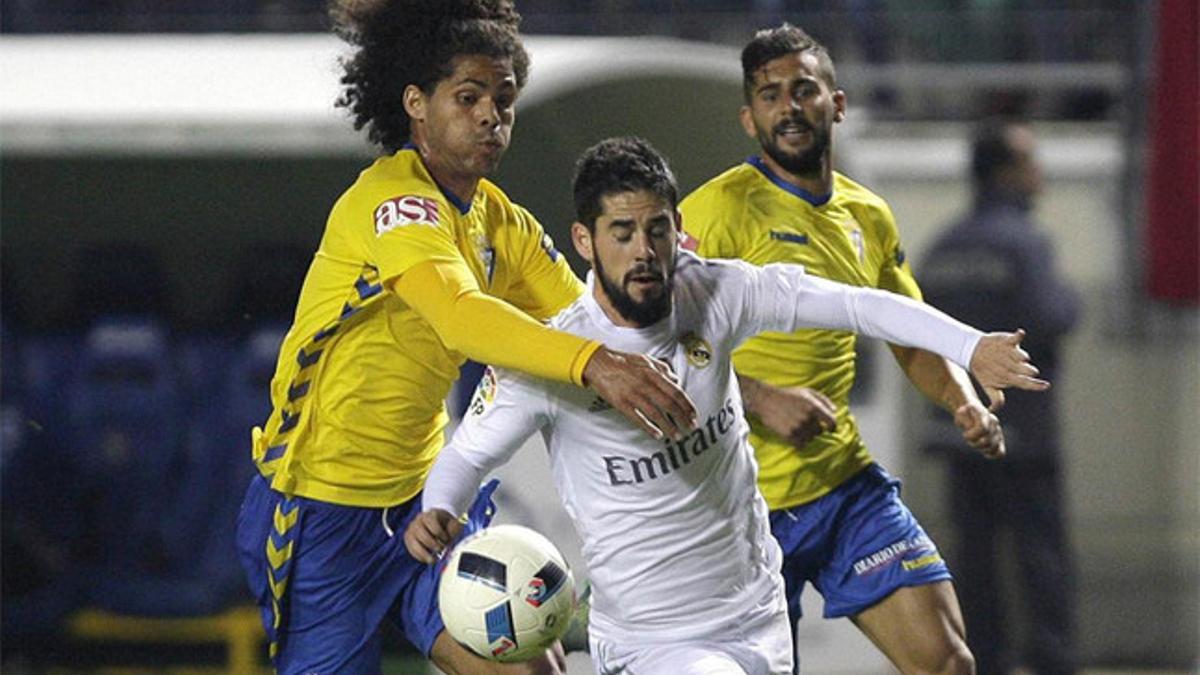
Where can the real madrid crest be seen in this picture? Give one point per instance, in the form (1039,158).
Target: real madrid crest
(698,351)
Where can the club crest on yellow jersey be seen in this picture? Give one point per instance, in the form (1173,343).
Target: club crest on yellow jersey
(856,238)
(697,350)
(487,255)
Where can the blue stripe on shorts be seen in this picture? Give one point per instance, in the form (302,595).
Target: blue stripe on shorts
(346,570)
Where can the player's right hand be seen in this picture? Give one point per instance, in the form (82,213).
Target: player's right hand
(999,363)
(644,390)
(430,533)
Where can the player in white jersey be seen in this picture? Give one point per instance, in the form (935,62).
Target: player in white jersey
(684,569)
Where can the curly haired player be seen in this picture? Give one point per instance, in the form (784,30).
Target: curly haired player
(423,263)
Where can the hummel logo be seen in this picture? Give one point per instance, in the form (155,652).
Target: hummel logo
(789,237)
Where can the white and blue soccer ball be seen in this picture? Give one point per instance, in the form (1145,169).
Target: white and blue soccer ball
(506,593)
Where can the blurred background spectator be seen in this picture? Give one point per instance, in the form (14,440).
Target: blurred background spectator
(995,267)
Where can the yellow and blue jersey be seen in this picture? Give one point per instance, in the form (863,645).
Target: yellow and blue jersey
(850,236)
(359,388)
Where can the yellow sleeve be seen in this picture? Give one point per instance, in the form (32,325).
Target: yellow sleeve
(709,223)
(545,284)
(489,330)
(895,274)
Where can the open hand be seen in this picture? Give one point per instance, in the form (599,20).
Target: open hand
(644,390)
(999,363)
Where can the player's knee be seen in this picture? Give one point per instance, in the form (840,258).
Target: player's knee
(956,660)
(951,657)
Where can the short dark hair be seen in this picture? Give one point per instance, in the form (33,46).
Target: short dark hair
(403,42)
(991,149)
(771,43)
(622,164)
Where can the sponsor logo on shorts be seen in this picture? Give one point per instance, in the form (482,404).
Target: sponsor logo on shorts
(921,546)
(924,561)
(406,210)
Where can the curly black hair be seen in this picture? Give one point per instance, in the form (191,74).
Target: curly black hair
(621,164)
(771,43)
(403,42)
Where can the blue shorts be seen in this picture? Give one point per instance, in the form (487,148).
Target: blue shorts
(856,545)
(325,576)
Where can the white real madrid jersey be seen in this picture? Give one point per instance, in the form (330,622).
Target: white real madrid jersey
(675,533)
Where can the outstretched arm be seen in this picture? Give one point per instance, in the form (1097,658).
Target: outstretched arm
(784,298)
(492,331)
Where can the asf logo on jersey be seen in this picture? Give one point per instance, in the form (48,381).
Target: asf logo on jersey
(698,351)
(406,210)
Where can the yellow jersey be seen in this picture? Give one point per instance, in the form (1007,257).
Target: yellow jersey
(359,388)
(850,236)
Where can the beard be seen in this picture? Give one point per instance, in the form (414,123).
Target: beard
(807,162)
(641,313)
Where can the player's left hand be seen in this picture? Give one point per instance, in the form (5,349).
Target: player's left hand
(999,363)
(428,535)
(980,429)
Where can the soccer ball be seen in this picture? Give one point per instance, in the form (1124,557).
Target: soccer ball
(506,593)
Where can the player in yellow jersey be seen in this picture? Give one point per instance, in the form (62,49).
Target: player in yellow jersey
(423,263)
(837,514)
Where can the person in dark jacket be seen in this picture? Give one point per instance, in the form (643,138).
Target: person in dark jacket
(995,268)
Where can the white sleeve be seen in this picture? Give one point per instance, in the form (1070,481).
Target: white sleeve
(781,297)
(506,410)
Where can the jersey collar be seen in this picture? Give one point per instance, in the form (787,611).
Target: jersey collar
(815,200)
(463,207)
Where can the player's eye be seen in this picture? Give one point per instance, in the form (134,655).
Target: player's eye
(467,98)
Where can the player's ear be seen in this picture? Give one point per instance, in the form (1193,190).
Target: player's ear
(746,117)
(839,105)
(678,220)
(414,102)
(582,238)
